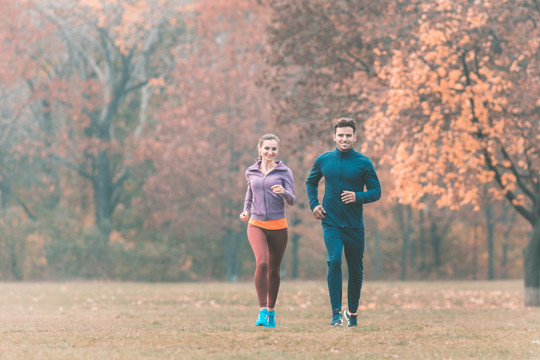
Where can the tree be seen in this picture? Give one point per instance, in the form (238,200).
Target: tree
(321,61)
(111,54)
(460,108)
(462,111)
(206,133)
(19,168)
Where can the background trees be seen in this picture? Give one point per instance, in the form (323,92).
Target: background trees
(126,128)
(207,134)
(463,115)
(451,102)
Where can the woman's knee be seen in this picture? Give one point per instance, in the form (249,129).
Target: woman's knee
(274,273)
(262,266)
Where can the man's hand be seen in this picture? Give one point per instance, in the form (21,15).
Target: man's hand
(348,197)
(318,212)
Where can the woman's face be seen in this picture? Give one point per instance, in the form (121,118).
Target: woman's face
(269,150)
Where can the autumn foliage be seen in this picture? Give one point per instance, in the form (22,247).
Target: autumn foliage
(126,128)
(448,91)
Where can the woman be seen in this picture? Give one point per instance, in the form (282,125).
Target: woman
(270,185)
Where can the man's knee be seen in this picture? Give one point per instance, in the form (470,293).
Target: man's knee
(333,263)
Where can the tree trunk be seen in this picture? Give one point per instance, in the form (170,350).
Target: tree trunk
(509,222)
(532,268)
(295,261)
(406,229)
(229,254)
(103,195)
(229,250)
(475,253)
(422,242)
(490,234)
(436,244)
(15,267)
(283,267)
(295,240)
(412,239)
(378,255)
(232,242)
(237,260)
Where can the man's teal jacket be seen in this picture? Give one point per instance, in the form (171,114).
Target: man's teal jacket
(342,171)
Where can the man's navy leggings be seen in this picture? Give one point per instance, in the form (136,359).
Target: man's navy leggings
(351,240)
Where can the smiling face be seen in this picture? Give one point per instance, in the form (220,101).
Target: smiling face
(269,150)
(344,138)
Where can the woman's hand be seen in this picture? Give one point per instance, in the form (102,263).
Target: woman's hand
(244,216)
(278,189)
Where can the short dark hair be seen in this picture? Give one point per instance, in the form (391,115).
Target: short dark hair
(345,122)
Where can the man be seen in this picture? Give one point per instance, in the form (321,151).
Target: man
(346,173)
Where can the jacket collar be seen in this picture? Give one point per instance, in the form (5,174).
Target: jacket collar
(257,166)
(344,153)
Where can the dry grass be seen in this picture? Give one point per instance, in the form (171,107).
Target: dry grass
(442,320)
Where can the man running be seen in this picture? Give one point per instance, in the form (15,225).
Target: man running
(346,173)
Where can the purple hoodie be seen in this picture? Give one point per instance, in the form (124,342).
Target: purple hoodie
(260,199)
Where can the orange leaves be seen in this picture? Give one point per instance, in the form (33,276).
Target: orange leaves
(158,82)
(508,179)
(476,18)
(126,22)
(455,76)
(456,91)
(189,8)
(205,137)
(433,37)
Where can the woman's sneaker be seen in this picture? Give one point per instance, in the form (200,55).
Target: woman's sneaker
(352,320)
(271,319)
(262,320)
(336,318)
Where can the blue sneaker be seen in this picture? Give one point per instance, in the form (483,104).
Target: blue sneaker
(352,320)
(336,319)
(271,319)
(262,320)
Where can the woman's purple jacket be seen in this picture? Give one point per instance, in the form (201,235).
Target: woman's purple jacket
(260,200)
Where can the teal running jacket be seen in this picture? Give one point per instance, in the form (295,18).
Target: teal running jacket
(342,171)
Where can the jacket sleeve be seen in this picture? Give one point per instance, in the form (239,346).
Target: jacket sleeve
(312,184)
(249,197)
(288,195)
(373,187)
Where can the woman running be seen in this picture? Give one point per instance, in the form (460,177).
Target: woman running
(270,185)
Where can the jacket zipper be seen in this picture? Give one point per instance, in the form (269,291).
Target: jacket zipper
(264,191)
(264,194)
(341,186)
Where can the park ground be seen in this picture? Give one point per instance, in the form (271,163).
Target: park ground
(398,320)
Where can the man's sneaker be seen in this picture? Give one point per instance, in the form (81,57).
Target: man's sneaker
(336,319)
(271,319)
(352,320)
(262,320)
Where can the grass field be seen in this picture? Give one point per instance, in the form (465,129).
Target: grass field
(100,320)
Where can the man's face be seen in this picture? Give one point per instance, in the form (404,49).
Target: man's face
(344,138)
